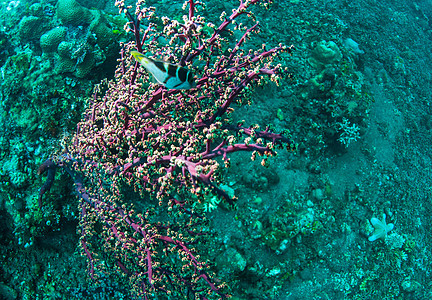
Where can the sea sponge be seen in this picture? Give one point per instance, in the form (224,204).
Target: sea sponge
(70,12)
(50,40)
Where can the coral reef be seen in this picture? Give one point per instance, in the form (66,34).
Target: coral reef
(70,12)
(30,27)
(50,40)
(84,41)
(301,225)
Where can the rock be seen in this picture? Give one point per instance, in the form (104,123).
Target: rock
(231,260)
(324,54)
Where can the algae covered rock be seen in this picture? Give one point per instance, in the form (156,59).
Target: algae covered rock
(231,261)
(324,54)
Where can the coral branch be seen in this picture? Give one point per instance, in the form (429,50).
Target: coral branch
(140,145)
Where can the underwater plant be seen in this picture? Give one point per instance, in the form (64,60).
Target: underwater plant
(141,141)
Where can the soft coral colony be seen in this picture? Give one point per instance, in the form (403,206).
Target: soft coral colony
(165,144)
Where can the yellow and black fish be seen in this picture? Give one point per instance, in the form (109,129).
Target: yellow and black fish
(171,76)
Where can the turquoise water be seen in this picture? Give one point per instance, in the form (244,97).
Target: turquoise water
(340,212)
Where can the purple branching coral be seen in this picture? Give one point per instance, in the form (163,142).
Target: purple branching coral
(164,144)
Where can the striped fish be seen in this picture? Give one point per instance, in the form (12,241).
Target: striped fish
(173,77)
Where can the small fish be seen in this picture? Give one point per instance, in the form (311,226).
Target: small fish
(171,76)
